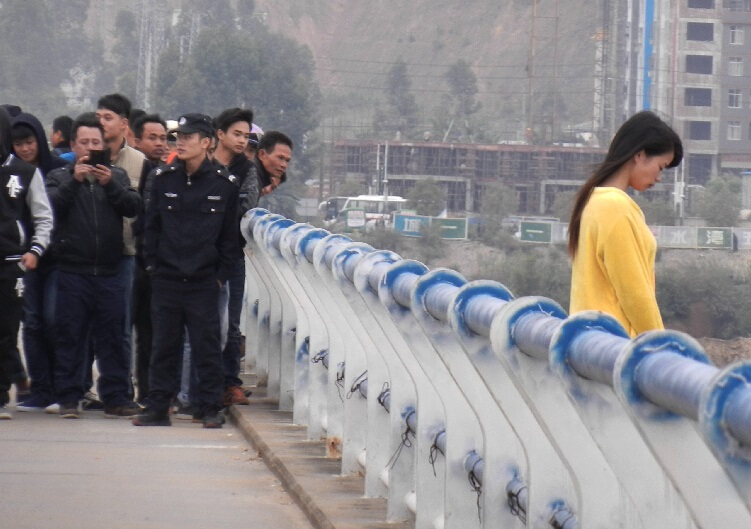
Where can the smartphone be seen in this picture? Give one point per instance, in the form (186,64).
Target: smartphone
(99,157)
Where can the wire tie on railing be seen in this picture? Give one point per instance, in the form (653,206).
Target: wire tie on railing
(340,379)
(357,383)
(560,524)
(318,358)
(434,451)
(476,487)
(514,506)
(406,441)
(385,392)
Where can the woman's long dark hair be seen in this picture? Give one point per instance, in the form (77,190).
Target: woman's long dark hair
(643,131)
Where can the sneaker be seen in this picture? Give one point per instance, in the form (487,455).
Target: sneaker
(212,419)
(5,413)
(235,395)
(129,409)
(91,402)
(52,409)
(149,417)
(184,412)
(69,410)
(33,403)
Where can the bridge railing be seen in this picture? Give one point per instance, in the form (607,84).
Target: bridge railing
(466,407)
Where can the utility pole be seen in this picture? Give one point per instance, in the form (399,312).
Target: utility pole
(531,60)
(544,30)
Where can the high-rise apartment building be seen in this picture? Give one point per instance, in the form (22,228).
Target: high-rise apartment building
(699,72)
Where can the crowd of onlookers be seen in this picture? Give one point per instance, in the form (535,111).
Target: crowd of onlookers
(121,249)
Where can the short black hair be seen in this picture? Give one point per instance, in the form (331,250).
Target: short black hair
(231,116)
(269,140)
(63,124)
(87,119)
(21,131)
(135,115)
(147,118)
(117,103)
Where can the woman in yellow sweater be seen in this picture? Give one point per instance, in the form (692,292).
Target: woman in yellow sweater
(612,248)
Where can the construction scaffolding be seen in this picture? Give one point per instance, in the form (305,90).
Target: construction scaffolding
(536,173)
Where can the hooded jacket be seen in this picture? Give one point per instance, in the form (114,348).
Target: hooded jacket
(46,161)
(25,214)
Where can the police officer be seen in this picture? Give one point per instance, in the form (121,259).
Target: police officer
(190,247)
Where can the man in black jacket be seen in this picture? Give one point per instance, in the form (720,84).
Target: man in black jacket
(89,202)
(25,228)
(190,247)
(233,132)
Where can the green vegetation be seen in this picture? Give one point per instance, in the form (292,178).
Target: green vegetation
(720,201)
(427,197)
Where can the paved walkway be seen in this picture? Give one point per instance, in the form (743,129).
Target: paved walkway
(96,473)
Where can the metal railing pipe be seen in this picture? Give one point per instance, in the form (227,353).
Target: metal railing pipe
(738,416)
(594,354)
(534,332)
(480,311)
(438,298)
(674,382)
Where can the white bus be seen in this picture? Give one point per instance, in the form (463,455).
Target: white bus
(378,209)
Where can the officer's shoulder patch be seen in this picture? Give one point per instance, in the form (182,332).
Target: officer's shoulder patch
(162,169)
(224,173)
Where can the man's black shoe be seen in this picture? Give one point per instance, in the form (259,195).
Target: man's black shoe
(213,419)
(149,417)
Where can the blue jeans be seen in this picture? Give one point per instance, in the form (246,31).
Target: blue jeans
(40,291)
(232,354)
(126,272)
(90,303)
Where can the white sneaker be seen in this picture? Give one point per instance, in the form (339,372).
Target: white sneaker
(5,414)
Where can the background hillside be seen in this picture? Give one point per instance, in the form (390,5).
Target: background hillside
(355,43)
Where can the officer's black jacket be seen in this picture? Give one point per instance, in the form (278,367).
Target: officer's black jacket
(191,230)
(88,236)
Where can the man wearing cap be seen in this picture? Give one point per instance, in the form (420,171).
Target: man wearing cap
(255,136)
(190,247)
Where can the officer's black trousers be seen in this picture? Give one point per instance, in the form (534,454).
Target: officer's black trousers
(192,305)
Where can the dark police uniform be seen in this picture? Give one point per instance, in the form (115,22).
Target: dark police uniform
(190,247)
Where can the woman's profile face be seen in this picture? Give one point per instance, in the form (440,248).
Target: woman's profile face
(646,170)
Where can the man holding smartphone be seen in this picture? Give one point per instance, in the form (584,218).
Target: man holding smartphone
(89,203)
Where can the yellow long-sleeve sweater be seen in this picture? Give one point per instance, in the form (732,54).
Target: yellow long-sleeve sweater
(613,270)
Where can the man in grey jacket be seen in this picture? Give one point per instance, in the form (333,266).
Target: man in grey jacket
(24,210)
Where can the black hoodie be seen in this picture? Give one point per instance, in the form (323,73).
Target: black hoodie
(46,162)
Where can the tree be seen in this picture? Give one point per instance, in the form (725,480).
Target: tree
(563,205)
(351,188)
(720,202)
(656,212)
(402,114)
(37,58)
(498,201)
(269,73)
(427,197)
(126,33)
(463,87)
